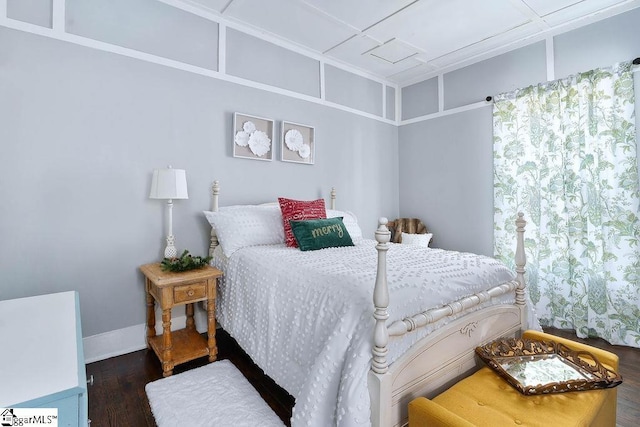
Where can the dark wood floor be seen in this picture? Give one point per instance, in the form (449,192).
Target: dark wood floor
(629,391)
(117,397)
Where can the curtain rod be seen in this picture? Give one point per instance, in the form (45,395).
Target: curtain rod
(634,62)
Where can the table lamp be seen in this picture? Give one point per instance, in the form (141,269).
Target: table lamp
(169,184)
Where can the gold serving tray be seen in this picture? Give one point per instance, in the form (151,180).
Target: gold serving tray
(543,367)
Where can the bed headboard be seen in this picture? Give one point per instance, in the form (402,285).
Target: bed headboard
(215,192)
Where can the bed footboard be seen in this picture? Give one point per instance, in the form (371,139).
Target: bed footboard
(444,356)
(437,362)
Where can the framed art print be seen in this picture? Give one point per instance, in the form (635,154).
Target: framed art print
(252,137)
(298,143)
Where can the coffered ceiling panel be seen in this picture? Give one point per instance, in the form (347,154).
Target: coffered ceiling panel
(577,7)
(394,51)
(292,20)
(438,27)
(487,45)
(361,14)
(578,10)
(358,52)
(413,73)
(397,40)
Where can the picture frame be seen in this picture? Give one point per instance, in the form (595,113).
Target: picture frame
(252,137)
(297,143)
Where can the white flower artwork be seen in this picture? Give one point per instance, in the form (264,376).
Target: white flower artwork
(293,139)
(304,151)
(249,127)
(242,138)
(298,143)
(259,143)
(252,137)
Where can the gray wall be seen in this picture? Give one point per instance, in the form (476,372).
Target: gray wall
(38,12)
(352,90)
(292,71)
(81,132)
(151,27)
(598,45)
(420,99)
(446,163)
(518,68)
(444,180)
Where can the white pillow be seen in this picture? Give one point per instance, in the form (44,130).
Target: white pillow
(350,222)
(417,239)
(246,225)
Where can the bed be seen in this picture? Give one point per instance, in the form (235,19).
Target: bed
(307,317)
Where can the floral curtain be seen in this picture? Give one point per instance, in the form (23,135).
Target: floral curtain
(565,155)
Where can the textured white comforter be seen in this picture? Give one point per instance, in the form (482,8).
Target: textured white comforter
(306,317)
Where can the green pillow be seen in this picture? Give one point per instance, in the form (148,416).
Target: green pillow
(313,234)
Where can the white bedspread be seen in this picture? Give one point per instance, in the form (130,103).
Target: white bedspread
(306,317)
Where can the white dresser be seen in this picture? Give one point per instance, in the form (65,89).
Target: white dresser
(42,360)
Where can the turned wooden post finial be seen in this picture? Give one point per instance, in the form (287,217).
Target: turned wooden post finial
(383,235)
(215,191)
(333,198)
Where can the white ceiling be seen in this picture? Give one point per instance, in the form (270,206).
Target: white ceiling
(404,40)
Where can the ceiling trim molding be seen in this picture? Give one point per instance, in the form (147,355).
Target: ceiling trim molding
(398,111)
(560,29)
(384,101)
(330,17)
(222,48)
(551,62)
(274,39)
(147,57)
(58,13)
(528,10)
(474,106)
(226,6)
(440,92)
(323,94)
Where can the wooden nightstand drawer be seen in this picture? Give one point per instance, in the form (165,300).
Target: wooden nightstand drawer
(192,292)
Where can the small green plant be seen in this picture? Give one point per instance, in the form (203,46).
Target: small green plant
(184,262)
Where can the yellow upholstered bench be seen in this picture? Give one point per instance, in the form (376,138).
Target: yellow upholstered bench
(485,399)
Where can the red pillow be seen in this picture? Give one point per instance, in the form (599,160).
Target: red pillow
(299,210)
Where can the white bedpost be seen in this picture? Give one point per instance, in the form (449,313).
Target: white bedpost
(332,203)
(521,261)
(379,380)
(381,300)
(215,190)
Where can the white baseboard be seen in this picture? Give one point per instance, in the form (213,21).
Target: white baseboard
(132,338)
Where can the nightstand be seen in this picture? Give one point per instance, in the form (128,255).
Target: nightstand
(170,289)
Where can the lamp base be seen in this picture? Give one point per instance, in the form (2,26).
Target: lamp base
(170,251)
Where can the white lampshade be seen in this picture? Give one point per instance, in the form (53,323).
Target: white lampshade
(169,184)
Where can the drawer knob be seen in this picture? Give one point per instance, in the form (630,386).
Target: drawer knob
(190,292)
